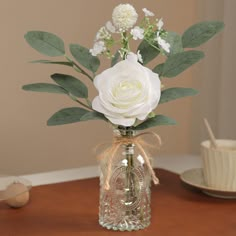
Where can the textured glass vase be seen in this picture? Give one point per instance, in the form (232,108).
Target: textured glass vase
(126,204)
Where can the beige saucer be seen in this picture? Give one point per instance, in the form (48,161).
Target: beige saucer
(194,178)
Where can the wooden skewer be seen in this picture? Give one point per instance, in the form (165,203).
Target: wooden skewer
(210,133)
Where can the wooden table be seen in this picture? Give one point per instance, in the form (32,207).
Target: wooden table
(71,208)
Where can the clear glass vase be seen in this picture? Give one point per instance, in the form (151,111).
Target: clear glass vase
(126,204)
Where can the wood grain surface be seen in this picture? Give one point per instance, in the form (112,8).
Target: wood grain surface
(71,208)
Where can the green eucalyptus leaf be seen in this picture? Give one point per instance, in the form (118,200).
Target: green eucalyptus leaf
(156,120)
(65,63)
(200,33)
(147,51)
(67,116)
(179,62)
(44,87)
(71,84)
(159,69)
(93,115)
(46,43)
(175,93)
(115,58)
(175,42)
(84,57)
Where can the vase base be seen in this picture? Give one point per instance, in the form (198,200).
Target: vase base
(124,226)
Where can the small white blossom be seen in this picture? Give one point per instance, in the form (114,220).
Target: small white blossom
(137,33)
(98,48)
(110,27)
(147,12)
(124,17)
(140,59)
(163,44)
(103,34)
(160,24)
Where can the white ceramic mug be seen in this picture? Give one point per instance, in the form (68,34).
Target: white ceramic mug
(219,164)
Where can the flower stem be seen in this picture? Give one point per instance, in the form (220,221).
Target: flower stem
(78,68)
(88,102)
(81,103)
(125,45)
(158,49)
(131,183)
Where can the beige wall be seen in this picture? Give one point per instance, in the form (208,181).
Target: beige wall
(215,77)
(27,144)
(207,76)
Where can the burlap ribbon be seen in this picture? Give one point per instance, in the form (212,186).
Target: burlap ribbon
(139,142)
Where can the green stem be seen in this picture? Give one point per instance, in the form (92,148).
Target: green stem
(81,103)
(130,184)
(125,44)
(88,102)
(78,68)
(153,45)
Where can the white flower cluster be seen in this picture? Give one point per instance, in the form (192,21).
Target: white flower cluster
(161,42)
(110,27)
(147,13)
(124,17)
(139,56)
(98,48)
(137,33)
(104,34)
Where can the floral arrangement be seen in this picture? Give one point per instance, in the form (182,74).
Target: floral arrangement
(128,92)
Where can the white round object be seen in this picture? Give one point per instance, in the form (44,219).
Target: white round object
(17,195)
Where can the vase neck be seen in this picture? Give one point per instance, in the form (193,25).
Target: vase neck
(123,131)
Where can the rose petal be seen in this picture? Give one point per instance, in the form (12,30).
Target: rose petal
(122,121)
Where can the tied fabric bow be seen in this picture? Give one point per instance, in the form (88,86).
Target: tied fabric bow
(138,141)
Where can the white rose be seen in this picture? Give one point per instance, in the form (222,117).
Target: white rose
(127,91)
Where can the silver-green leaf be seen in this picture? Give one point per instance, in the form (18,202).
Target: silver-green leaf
(147,51)
(65,63)
(200,33)
(115,58)
(67,116)
(175,42)
(46,43)
(93,115)
(159,69)
(71,84)
(177,63)
(175,93)
(155,121)
(84,57)
(44,87)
